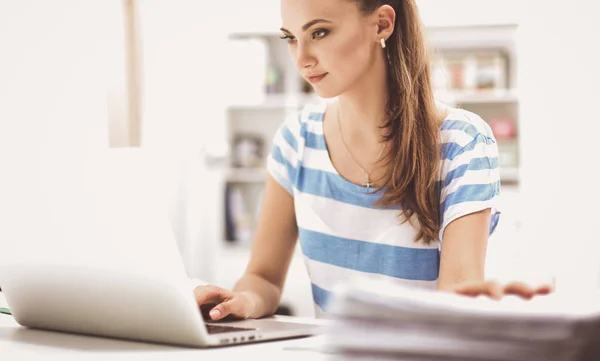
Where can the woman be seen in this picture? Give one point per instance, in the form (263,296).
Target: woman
(375,184)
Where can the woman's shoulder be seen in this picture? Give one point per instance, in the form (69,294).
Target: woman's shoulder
(314,111)
(462,127)
(307,118)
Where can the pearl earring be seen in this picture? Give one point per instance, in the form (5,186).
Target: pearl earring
(382,41)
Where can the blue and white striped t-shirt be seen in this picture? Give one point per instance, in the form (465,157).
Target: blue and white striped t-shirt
(344,237)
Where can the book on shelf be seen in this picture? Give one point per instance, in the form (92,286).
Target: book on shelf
(239,221)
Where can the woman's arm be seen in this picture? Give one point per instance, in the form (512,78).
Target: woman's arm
(464,245)
(462,265)
(272,250)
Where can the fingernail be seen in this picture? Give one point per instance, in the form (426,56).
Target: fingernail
(498,295)
(215,314)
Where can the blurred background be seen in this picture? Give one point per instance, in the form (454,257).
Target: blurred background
(168,108)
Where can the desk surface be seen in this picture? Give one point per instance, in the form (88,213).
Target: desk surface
(17,343)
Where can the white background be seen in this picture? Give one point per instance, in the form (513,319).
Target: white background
(59,59)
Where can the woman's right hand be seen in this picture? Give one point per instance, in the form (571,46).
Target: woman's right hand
(219,303)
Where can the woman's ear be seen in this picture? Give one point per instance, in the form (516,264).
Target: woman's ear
(385,18)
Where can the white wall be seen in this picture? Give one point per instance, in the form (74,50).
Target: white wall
(58,193)
(468,12)
(183,109)
(559,85)
(183,47)
(62,82)
(264,15)
(52,110)
(55,71)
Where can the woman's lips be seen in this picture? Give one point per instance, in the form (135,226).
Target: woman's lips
(313,79)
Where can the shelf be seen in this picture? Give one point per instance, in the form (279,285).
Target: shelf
(276,101)
(255,33)
(243,175)
(509,174)
(497,96)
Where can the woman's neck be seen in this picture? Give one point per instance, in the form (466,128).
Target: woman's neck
(362,108)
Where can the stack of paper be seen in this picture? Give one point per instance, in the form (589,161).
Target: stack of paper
(384,321)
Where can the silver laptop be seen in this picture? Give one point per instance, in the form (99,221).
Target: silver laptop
(104,262)
(127,306)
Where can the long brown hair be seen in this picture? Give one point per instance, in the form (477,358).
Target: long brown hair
(412,126)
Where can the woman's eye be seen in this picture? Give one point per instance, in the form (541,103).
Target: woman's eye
(288,38)
(320,34)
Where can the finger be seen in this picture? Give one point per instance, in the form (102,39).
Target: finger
(496,290)
(544,290)
(468,288)
(490,288)
(519,289)
(209,294)
(233,307)
(205,309)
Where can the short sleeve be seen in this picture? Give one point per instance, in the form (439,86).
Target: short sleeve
(282,161)
(470,175)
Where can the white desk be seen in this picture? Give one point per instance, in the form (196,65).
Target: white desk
(19,343)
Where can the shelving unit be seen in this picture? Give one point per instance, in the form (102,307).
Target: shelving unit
(260,114)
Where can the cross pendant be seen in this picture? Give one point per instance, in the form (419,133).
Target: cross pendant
(368,183)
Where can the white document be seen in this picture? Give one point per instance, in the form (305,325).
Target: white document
(383,319)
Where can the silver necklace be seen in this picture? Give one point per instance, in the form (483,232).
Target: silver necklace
(368,182)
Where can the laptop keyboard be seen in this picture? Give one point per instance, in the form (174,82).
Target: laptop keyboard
(213,329)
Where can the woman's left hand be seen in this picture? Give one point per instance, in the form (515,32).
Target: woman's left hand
(496,290)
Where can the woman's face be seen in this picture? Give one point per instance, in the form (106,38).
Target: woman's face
(330,42)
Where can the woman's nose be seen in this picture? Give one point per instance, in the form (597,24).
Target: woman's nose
(304,58)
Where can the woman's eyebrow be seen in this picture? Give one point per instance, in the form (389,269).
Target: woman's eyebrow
(308,25)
